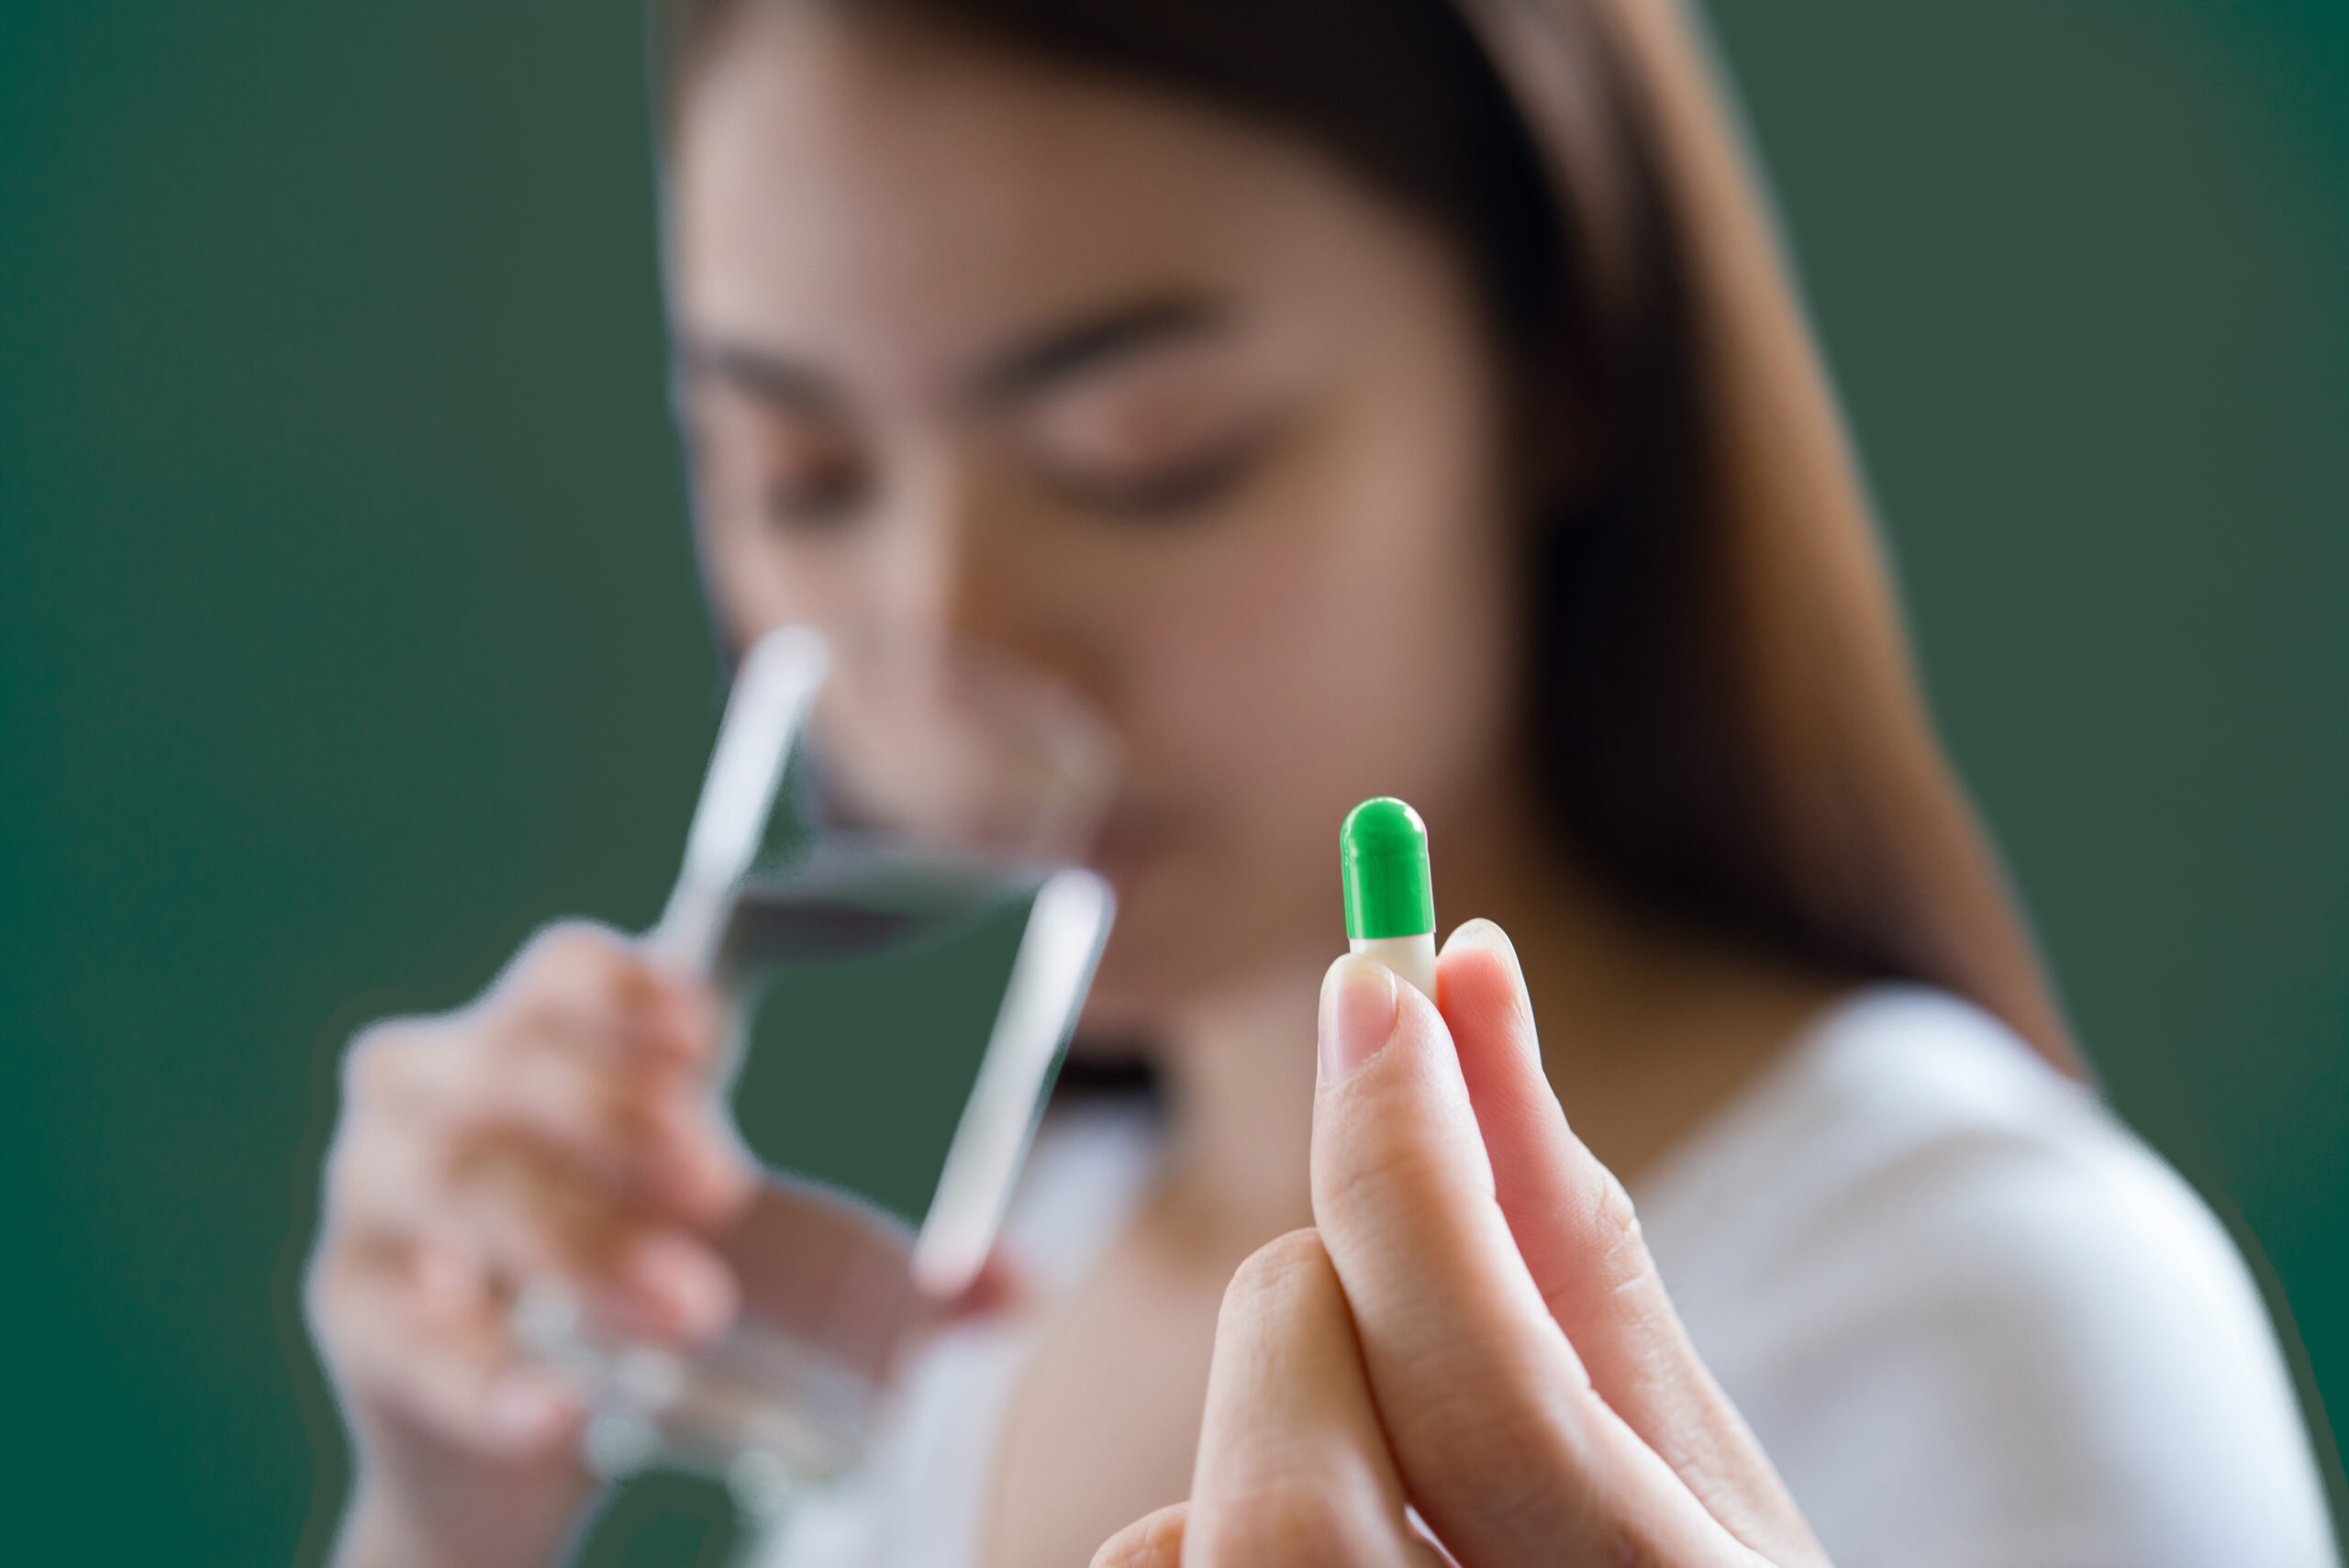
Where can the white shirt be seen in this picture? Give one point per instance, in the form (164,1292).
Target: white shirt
(1973,1321)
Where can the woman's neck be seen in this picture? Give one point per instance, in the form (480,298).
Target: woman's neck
(1238,1080)
(1647,1027)
(1645,1032)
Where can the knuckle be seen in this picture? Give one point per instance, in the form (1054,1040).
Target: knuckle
(1621,1245)
(373,1189)
(568,948)
(344,1301)
(566,975)
(576,939)
(529,1210)
(1386,1175)
(380,1061)
(1611,1541)
(1512,1461)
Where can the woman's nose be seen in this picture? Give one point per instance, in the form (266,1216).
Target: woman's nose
(953,573)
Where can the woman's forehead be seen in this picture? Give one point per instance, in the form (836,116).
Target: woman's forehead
(919,199)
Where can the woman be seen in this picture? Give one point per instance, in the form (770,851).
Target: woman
(1351,398)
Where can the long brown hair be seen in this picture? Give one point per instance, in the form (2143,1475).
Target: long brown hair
(1722,704)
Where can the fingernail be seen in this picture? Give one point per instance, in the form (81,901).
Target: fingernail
(1359,1005)
(691,1291)
(1483,933)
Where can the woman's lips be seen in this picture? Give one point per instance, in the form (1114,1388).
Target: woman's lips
(1134,835)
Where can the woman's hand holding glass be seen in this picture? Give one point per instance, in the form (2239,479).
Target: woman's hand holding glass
(560,1127)
(1475,1326)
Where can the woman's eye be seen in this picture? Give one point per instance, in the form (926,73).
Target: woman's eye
(778,471)
(1169,488)
(826,496)
(1173,435)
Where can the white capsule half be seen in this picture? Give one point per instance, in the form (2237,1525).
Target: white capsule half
(1413,958)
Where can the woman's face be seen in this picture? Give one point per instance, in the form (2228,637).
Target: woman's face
(1166,405)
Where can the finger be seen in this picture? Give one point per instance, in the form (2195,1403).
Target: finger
(1579,1237)
(531,1213)
(649,1126)
(419,1336)
(1501,1441)
(521,1212)
(590,982)
(653,1133)
(1153,1541)
(1292,1466)
(574,988)
(1000,1288)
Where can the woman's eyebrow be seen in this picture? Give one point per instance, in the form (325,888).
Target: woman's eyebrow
(769,377)
(1084,345)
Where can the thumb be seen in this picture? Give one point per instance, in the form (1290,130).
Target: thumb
(1155,1540)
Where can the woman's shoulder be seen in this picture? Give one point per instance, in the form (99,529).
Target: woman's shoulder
(1939,1277)
(1904,1112)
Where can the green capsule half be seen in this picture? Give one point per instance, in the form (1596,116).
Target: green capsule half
(1382,859)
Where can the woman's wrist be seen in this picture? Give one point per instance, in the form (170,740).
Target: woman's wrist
(384,1530)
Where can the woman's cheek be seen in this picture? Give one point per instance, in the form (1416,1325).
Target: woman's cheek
(1273,692)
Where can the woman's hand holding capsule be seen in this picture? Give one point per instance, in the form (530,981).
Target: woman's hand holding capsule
(559,1127)
(1475,1326)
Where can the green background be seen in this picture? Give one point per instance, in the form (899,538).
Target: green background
(840,1047)
(348,629)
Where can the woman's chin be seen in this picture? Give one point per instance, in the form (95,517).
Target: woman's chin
(1145,982)
(1128,1008)
(1144,989)
(1189,927)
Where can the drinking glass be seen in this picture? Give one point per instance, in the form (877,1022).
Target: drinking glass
(925,852)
